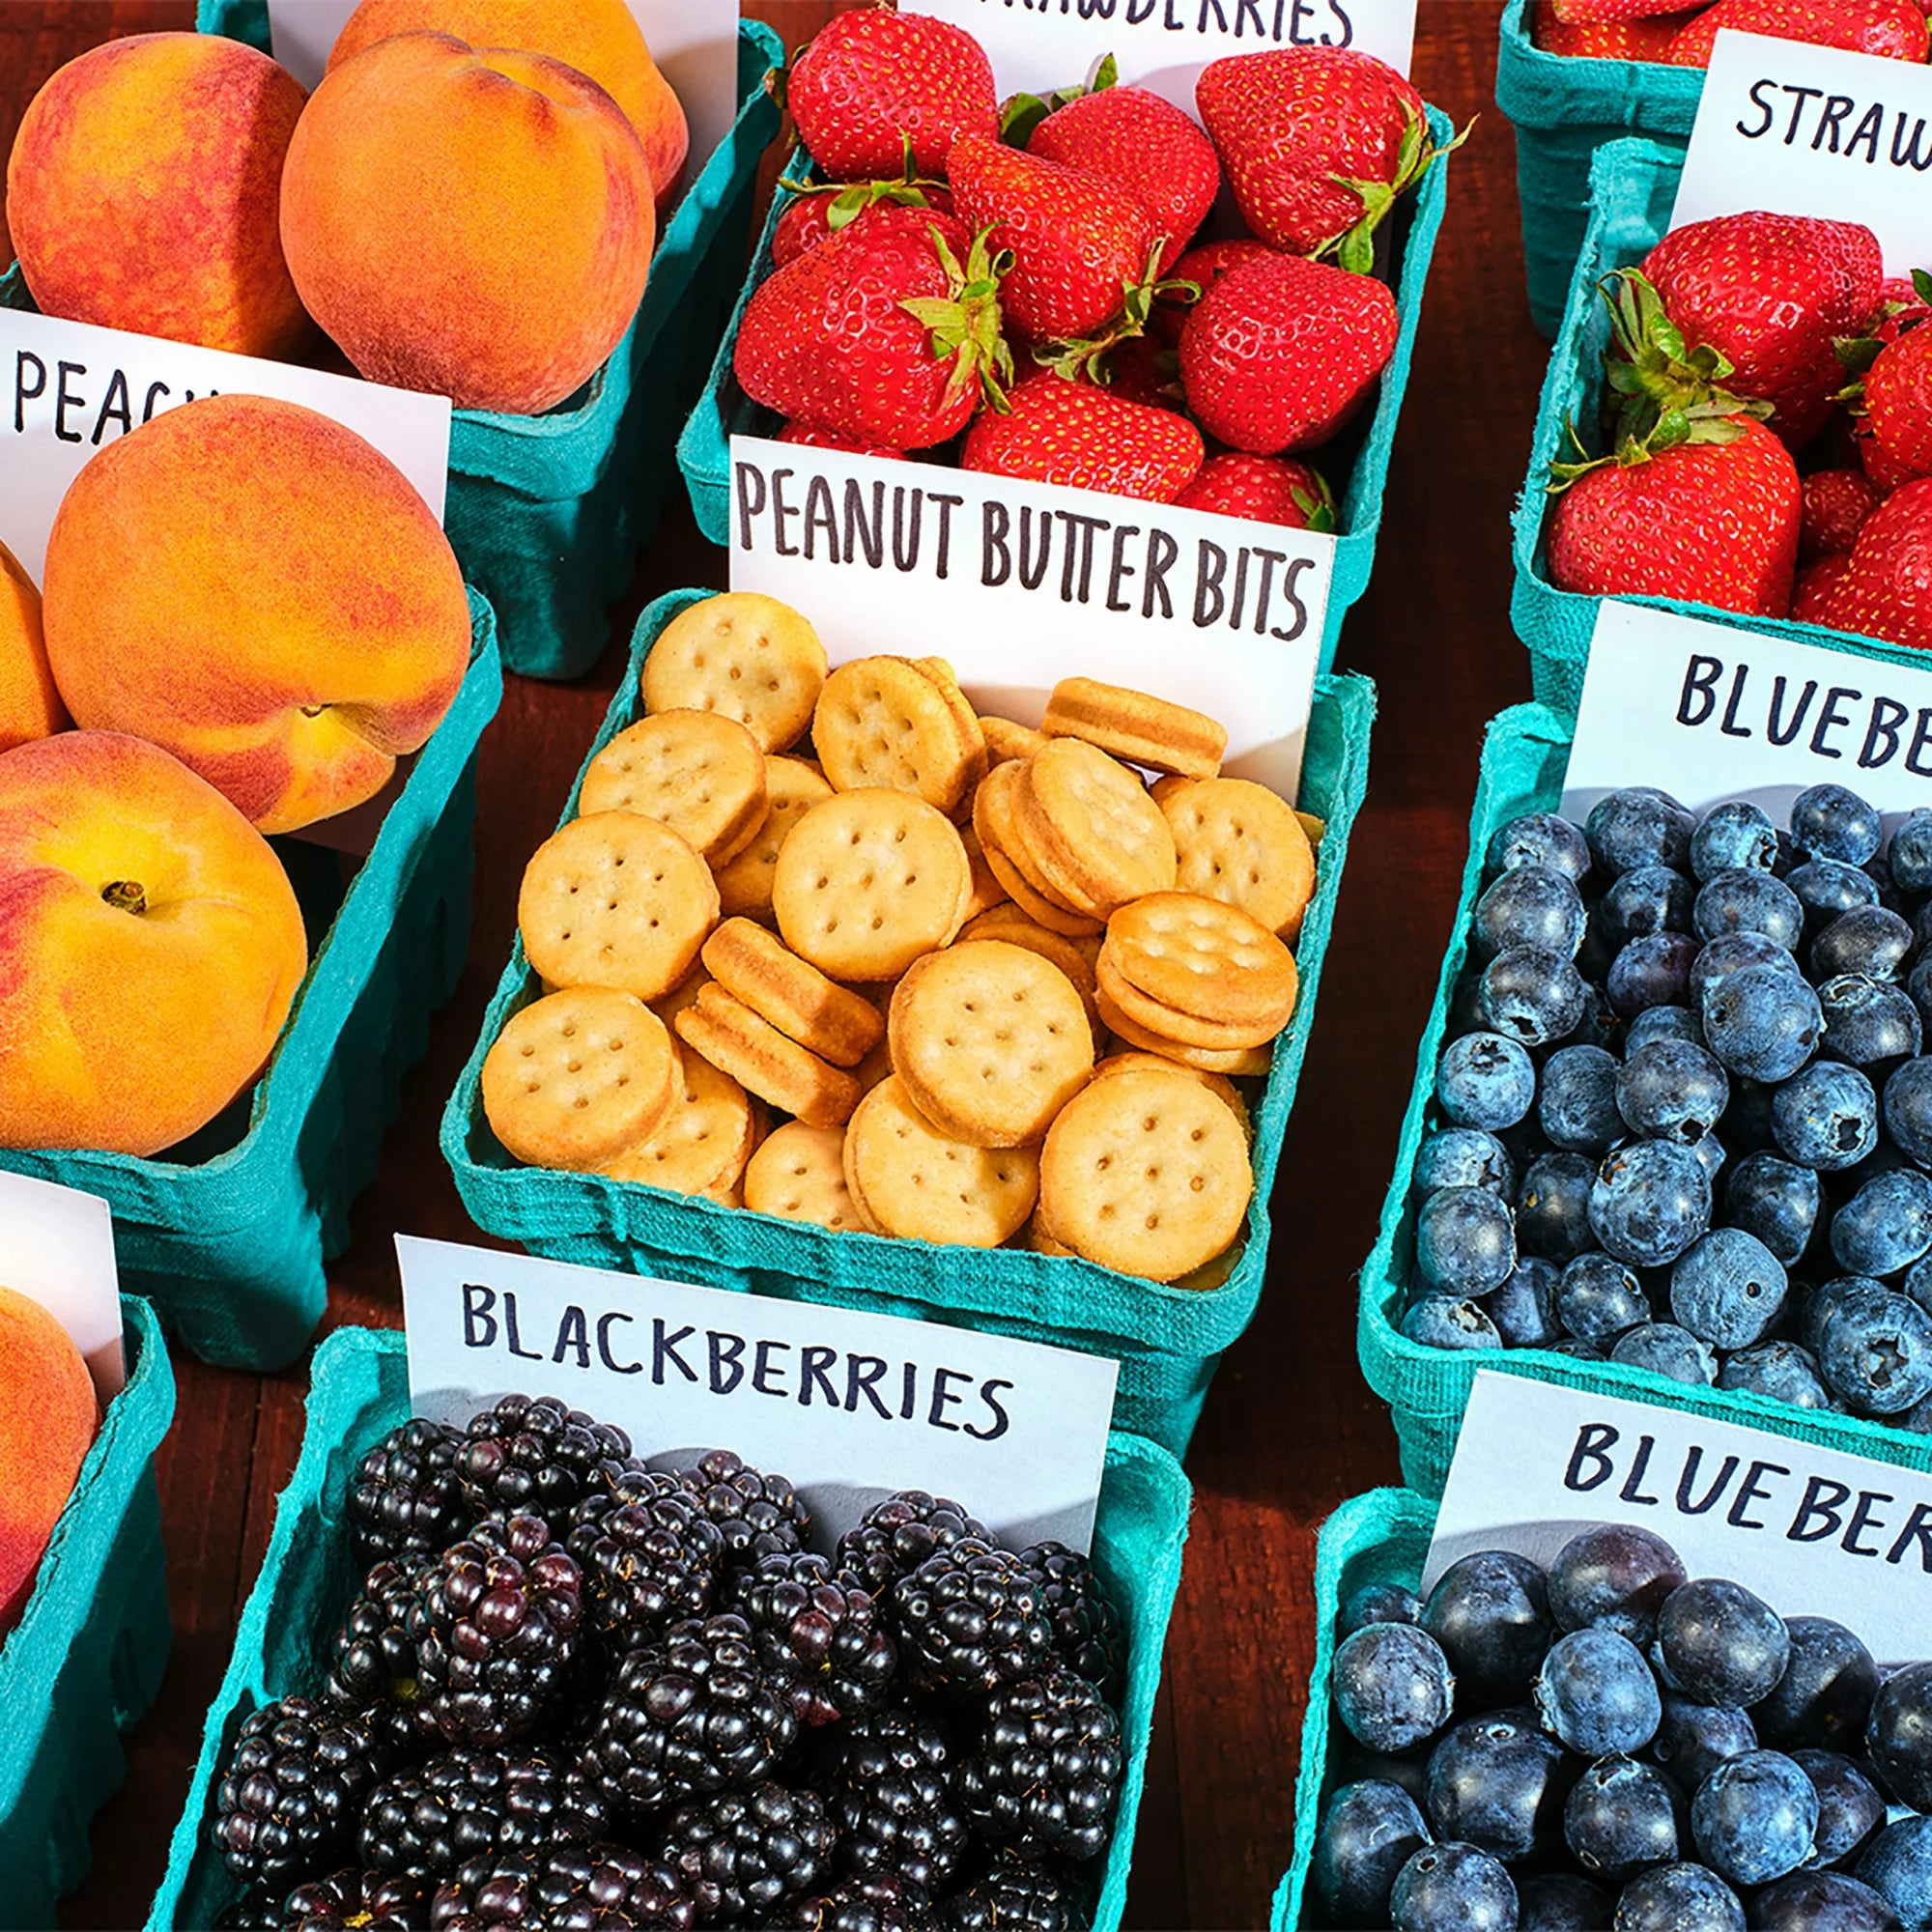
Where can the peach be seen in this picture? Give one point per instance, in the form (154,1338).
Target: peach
(47,1419)
(144,192)
(600,38)
(478,225)
(258,590)
(151,947)
(30,706)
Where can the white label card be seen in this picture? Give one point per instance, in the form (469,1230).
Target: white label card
(850,1407)
(1815,1532)
(57,1248)
(1020,584)
(71,387)
(1804,130)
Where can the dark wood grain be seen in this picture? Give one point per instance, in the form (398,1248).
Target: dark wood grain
(1290,1428)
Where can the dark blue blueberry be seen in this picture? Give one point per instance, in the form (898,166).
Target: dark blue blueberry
(1462,1158)
(1484,1080)
(1721,1644)
(1533,905)
(1497,1782)
(1540,839)
(1825,889)
(1597,1298)
(1731,835)
(1490,1615)
(1898,1867)
(1875,1353)
(1650,1203)
(1596,1694)
(1782,1370)
(1652,899)
(1825,1695)
(1378,1604)
(1553,1213)
(1749,902)
(1918,1283)
(1910,853)
(1825,1116)
(1599,1025)
(1694,1739)
(1671,1090)
(1661,1023)
(1830,822)
(1668,1350)
(1613,1577)
(1442,1322)
(1654,971)
(1825,1300)
(1638,826)
(1762,1020)
(1898,1735)
(1679,1898)
(1576,1104)
(1821,1902)
(1531,996)
(1867,1023)
(1908,1108)
(1728,1288)
(1886,1225)
(1621,1817)
(1524,1309)
(1393,1688)
(1561,1902)
(1368,1833)
(1755,1818)
(1850,1808)
(1775,1200)
(1917,1420)
(1464,1242)
(1867,940)
(1453,1888)
(1918,984)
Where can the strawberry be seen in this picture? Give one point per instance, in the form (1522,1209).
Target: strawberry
(815,436)
(1892,29)
(876,87)
(1142,371)
(1634,39)
(1772,294)
(1836,503)
(1900,306)
(1199,268)
(1316,143)
(1886,590)
(1609,12)
(813,213)
(1898,401)
(1884,472)
(1144,144)
(1058,430)
(1266,489)
(1816,585)
(879,334)
(1281,352)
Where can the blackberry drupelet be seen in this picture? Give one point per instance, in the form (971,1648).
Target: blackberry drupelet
(372,1655)
(695,1714)
(352,1898)
(428,1819)
(893,1800)
(252,1911)
(600,1888)
(1087,1628)
(744,1853)
(1046,1772)
(539,1457)
(288,1803)
(823,1631)
(878,1902)
(408,1494)
(898,1535)
(757,1514)
(972,1618)
(1014,1896)
(650,1556)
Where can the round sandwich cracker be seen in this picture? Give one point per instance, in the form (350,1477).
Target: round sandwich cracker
(799,1175)
(744,656)
(912,1181)
(698,773)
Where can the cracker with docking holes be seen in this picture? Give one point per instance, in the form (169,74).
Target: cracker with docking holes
(991,1041)
(792,788)
(911,1180)
(1072,955)
(757,1055)
(744,656)
(965,725)
(701,774)
(1173,1024)
(577,1077)
(1238,1063)
(616,900)
(993,820)
(755,967)
(1006,740)
(1090,829)
(1143,730)
(799,1173)
(1132,1060)
(883,722)
(869,881)
(1237,840)
(1202,958)
(705,1140)
(1147,1172)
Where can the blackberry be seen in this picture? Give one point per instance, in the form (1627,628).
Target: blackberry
(972,1618)
(539,1457)
(1014,1896)
(744,1853)
(372,1655)
(898,1535)
(1046,1771)
(600,1888)
(1087,1629)
(820,1629)
(894,1799)
(373,1900)
(757,1514)
(252,1911)
(288,1803)
(695,1714)
(430,1818)
(408,1494)
(650,1556)
(878,1902)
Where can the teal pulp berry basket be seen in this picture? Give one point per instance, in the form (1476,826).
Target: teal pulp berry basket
(1524,757)
(704,450)
(1167,1340)
(1563,110)
(1634,188)
(360,1391)
(227,1233)
(86,1659)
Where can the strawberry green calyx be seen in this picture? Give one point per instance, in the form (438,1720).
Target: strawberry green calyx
(1022,113)
(1355,248)
(1858,353)
(964,323)
(1075,359)
(1669,392)
(1317,505)
(851,199)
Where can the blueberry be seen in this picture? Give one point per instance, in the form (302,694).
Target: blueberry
(1490,1615)
(1727,1288)
(1732,952)
(1679,1898)
(1464,1242)
(1553,1213)
(1755,1818)
(1775,1200)
(1850,1808)
(1368,1833)
(1661,1023)
(1898,1735)
(1825,1695)
(1749,902)
(1762,1021)
(1613,1577)
(1652,899)
(1899,1866)
(1867,1023)
(1561,1902)
(1825,889)
(1886,1225)
(1908,1108)
(1531,996)
(1621,1817)
(1484,1080)
(1393,1688)
(1825,1116)
(1497,1782)
(1638,826)
(1522,1311)
(1823,1301)
(1650,1203)
(1654,971)
(1671,1090)
(1666,1349)
(1462,1158)
(1781,1370)
(1532,905)
(1540,839)
(1736,833)
(1597,1298)
(1875,1351)
(1595,1693)
(1581,1351)
(1694,1739)
(1830,822)
(1821,1902)
(1378,1604)
(1867,940)
(1910,853)
(1576,1104)
(1721,1644)
(1453,1888)
(1442,1322)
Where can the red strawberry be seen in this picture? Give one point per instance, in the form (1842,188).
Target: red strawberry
(1887,588)
(1712,522)
(1901,307)
(1638,39)
(1836,503)
(1281,352)
(1268,489)
(875,83)
(1883,470)
(1203,268)
(1816,587)
(1600,13)
(1316,143)
(1144,144)
(1074,434)
(815,436)
(1772,294)
(878,333)
(1898,401)
(1078,243)
(1893,29)
(814,213)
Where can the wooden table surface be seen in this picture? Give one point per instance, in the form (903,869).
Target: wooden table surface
(1290,1429)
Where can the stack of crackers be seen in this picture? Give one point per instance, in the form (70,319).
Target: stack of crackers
(1002,988)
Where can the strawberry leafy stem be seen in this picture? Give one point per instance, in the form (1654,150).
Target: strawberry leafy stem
(1355,248)
(1022,113)
(851,199)
(1076,357)
(964,323)
(1317,505)
(1857,354)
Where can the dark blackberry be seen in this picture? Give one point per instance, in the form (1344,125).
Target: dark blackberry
(352,1898)
(430,1818)
(1087,1629)
(1014,1896)
(972,1618)
(372,1655)
(252,1911)
(650,1556)
(742,1854)
(538,1456)
(599,1888)
(1046,1772)
(288,1803)
(893,1800)
(898,1535)
(878,1902)
(408,1494)
(823,1631)
(695,1715)
(757,1514)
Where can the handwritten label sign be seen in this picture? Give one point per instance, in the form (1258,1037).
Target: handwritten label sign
(1814,131)
(1023,583)
(1814,1531)
(851,1406)
(57,1248)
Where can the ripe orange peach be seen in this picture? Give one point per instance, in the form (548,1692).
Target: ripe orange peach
(30,707)
(48,1418)
(478,225)
(264,594)
(600,38)
(149,947)
(144,192)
